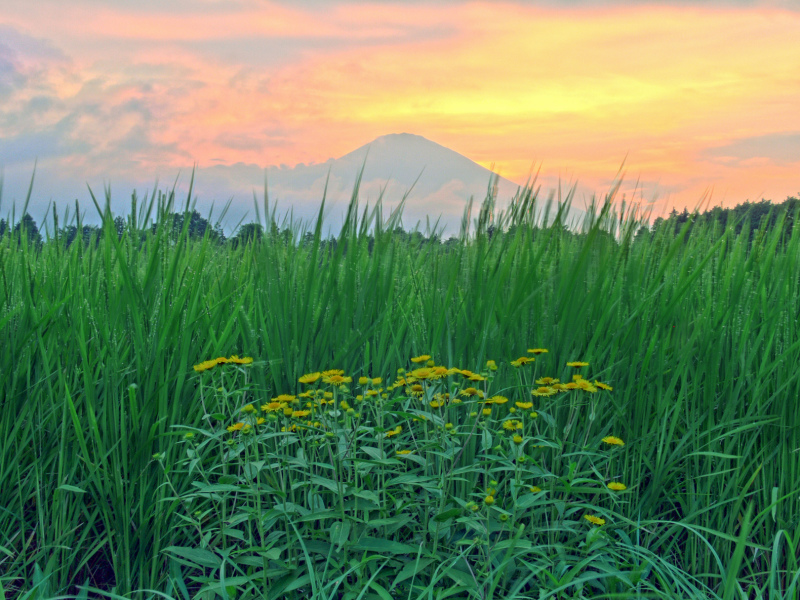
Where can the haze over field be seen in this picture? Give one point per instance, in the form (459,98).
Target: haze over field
(438,182)
(694,96)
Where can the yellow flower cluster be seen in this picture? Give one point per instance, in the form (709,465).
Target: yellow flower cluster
(210,364)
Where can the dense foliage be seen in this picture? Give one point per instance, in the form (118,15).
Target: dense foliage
(695,330)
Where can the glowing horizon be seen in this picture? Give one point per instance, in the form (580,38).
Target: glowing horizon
(693,97)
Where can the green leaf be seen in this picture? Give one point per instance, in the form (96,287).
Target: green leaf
(375,453)
(382,591)
(340,533)
(447,515)
(527,500)
(460,577)
(411,568)
(368,495)
(383,546)
(71,488)
(325,482)
(195,556)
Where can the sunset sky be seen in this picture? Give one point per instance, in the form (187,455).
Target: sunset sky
(694,96)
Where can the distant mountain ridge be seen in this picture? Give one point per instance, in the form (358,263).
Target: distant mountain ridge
(443,180)
(404,155)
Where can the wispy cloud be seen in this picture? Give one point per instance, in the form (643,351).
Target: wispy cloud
(692,93)
(777,148)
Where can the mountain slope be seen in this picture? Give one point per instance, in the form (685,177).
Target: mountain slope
(445,181)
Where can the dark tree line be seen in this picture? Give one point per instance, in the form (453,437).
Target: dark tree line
(750,216)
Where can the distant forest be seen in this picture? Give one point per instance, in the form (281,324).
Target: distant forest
(752,216)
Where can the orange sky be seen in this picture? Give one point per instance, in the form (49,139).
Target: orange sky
(695,97)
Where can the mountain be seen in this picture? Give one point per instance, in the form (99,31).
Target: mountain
(445,181)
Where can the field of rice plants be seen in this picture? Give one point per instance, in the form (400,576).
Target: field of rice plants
(523,411)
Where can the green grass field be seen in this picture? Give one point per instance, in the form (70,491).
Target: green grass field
(133,468)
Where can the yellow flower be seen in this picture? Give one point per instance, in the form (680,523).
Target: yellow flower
(344,404)
(236,427)
(363,380)
(297,414)
(404,451)
(491,365)
(466,373)
(248,408)
(394,431)
(617,486)
(595,520)
(522,360)
(535,489)
(421,359)
(489,500)
(512,425)
(517,439)
(497,400)
(577,377)
(537,350)
(544,391)
(210,364)
(524,405)
(330,372)
(240,361)
(487,411)
(272,406)
(546,381)
(614,441)
(376,381)
(603,386)
(336,379)
(439,372)
(423,373)
(287,412)
(309,378)
(476,377)
(371,393)
(586,386)
(577,363)
(284,398)
(533,415)
(471,391)
(260,421)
